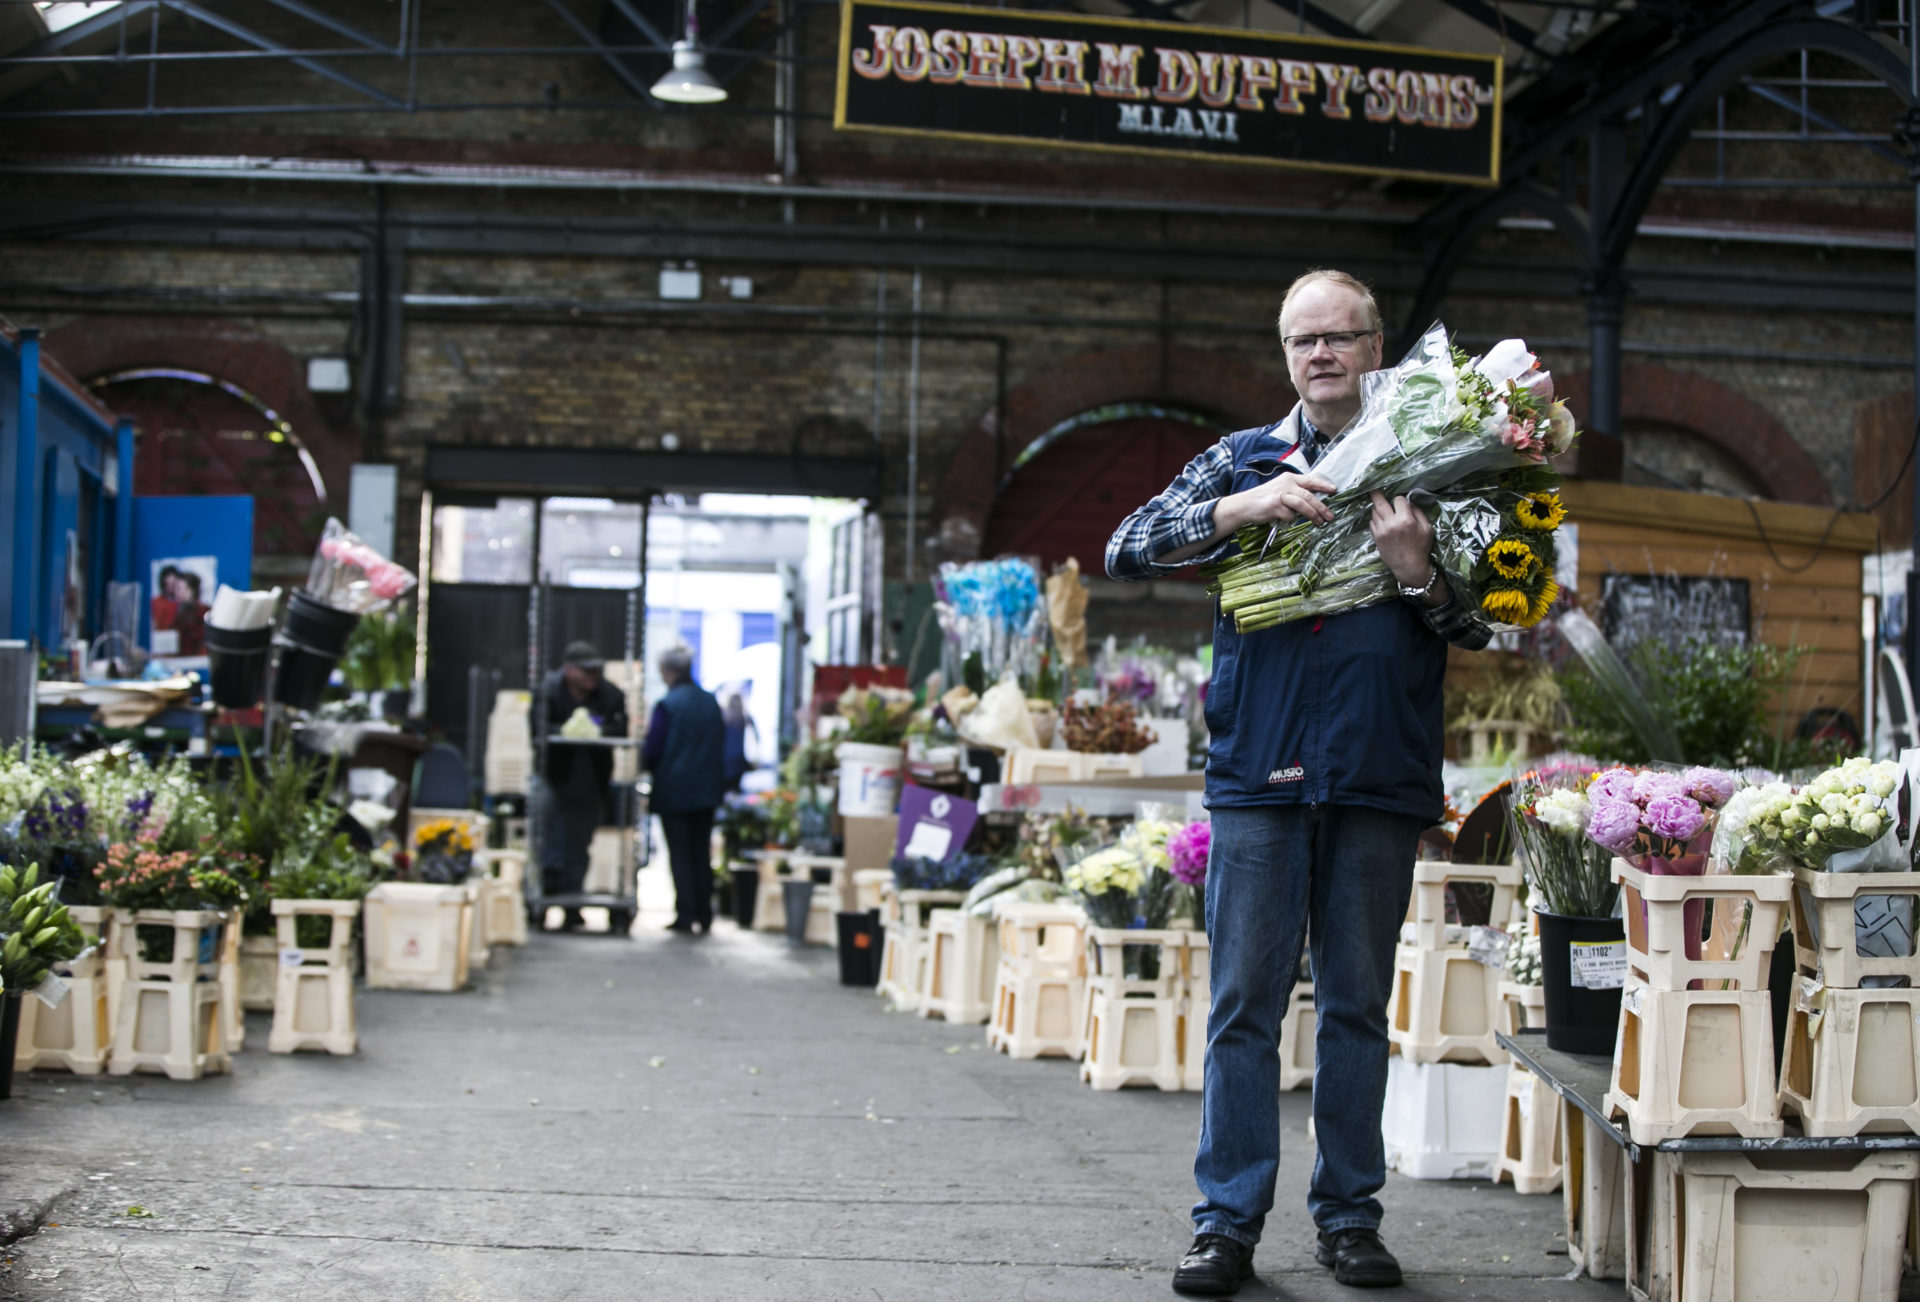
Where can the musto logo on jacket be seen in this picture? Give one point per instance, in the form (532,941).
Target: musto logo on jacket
(1292,773)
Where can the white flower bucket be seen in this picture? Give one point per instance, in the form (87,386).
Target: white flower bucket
(869,779)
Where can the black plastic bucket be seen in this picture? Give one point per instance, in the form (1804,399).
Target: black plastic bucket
(237,665)
(860,945)
(798,896)
(311,640)
(9,1037)
(746,892)
(316,626)
(1580,1018)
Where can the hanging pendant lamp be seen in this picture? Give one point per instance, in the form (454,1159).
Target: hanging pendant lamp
(689,82)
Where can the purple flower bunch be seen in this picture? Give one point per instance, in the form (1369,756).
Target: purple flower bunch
(1629,811)
(58,816)
(1188,849)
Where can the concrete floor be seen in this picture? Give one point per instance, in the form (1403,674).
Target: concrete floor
(665,1117)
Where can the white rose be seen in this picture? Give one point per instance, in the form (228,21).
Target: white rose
(1868,825)
(1821,822)
(1833,803)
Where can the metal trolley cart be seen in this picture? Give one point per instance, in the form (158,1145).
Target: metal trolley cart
(621,902)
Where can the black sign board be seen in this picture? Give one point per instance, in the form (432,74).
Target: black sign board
(1168,88)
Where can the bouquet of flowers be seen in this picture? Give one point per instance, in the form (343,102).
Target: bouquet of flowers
(1523,961)
(1128,886)
(349,575)
(1750,836)
(1658,821)
(1845,809)
(1188,849)
(956,874)
(1572,875)
(1466,439)
(1847,820)
(994,619)
(443,852)
(36,931)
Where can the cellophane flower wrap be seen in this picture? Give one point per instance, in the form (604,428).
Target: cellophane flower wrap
(1847,820)
(992,613)
(1467,440)
(349,575)
(1128,886)
(1568,873)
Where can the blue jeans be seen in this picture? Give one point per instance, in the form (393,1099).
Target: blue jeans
(1339,877)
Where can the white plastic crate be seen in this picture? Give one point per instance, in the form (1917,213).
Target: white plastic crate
(1762,1227)
(1694,1062)
(1442,1119)
(313,998)
(1444,1007)
(171,1016)
(1660,912)
(961,967)
(1530,1146)
(417,936)
(1852,1060)
(1297,1030)
(1594,1196)
(74,1035)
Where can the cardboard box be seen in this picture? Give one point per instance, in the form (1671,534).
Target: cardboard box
(870,841)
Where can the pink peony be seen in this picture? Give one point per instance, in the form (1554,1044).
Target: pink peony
(1675,817)
(1616,783)
(1653,785)
(1711,787)
(1612,822)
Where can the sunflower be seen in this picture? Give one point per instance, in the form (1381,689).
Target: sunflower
(1549,591)
(1540,511)
(1510,558)
(1507,605)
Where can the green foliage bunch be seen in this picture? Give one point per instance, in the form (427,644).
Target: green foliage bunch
(39,931)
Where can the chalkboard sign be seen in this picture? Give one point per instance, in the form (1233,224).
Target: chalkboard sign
(1669,608)
(1088,82)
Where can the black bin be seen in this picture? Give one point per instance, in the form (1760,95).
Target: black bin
(237,665)
(860,947)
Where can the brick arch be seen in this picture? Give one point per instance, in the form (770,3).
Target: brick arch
(97,346)
(1724,417)
(1232,388)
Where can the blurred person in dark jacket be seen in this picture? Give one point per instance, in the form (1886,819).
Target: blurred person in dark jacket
(740,726)
(685,750)
(576,777)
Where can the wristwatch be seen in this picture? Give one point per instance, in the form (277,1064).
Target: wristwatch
(1420,593)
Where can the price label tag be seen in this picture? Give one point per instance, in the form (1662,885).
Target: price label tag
(1488,946)
(1598,964)
(51,991)
(291,958)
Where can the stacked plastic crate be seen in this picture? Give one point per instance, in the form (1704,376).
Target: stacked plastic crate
(1446,1084)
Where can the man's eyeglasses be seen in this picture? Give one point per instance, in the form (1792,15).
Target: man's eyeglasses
(1341,341)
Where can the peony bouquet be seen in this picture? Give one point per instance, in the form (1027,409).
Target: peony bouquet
(1845,809)
(1657,820)
(1523,961)
(1749,836)
(351,576)
(1467,439)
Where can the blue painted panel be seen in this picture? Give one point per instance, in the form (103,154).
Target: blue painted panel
(169,527)
(756,628)
(690,621)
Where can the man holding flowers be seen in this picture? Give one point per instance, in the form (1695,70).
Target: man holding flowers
(1323,769)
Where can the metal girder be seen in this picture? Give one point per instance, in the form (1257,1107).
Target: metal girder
(594,46)
(1446,258)
(577,470)
(1824,34)
(627,11)
(253,38)
(1616,97)
(332,24)
(1493,19)
(1820,120)
(55,42)
(745,14)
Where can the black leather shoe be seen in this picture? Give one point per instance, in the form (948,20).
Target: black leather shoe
(1215,1266)
(1358,1258)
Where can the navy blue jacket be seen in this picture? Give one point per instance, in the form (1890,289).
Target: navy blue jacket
(685,749)
(1342,709)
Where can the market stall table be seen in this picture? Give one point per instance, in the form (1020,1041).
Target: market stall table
(1669,1223)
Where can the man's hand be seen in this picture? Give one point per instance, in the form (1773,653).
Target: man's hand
(1404,538)
(1284,498)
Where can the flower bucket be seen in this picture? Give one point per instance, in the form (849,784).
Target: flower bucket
(9,1036)
(869,779)
(1584,1017)
(860,940)
(746,893)
(798,896)
(237,665)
